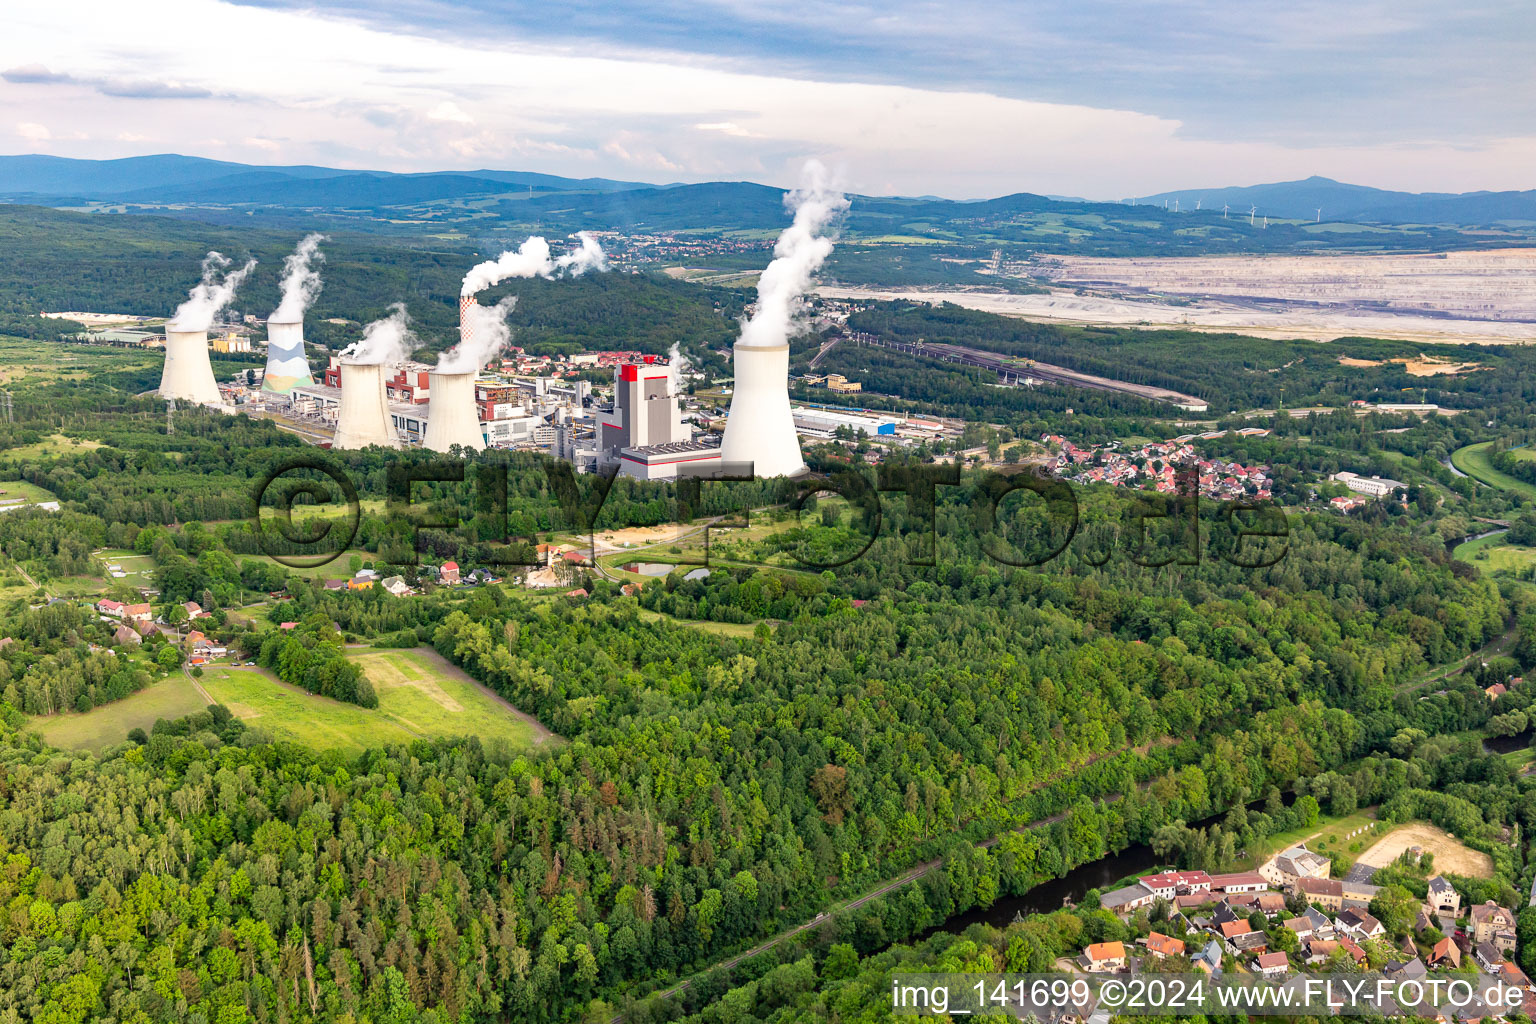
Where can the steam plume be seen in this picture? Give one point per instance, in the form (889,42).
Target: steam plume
(800,250)
(211,294)
(301,280)
(532,259)
(388,340)
(488,334)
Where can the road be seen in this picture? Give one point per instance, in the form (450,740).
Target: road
(32,582)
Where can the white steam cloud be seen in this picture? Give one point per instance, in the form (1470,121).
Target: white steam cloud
(532,259)
(210,295)
(799,252)
(301,280)
(388,340)
(488,334)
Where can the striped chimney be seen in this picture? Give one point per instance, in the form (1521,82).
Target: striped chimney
(466,330)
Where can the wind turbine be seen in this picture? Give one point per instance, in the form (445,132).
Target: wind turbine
(1266,220)
(1198,202)
(1250,215)
(1223,211)
(1175,206)
(1319,214)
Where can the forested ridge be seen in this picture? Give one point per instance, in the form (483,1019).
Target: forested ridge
(712,790)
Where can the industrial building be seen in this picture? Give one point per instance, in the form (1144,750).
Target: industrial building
(188,373)
(824,423)
(505,412)
(643,431)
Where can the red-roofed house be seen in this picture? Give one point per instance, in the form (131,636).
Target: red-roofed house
(1172,883)
(1163,946)
(1272,964)
(1105,956)
(449,573)
(109,607)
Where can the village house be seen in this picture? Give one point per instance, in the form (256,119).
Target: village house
(1493,923)
(1105,956)
(1327,893)
(1173,883)
(1245,881)
(1164,946)
(1443,897)
(124,635)
(1359,925)
(1297,862)
(364,580)
(1209,958)
(1241,938)
(138,613)
(194,610)
(1272,965)
(107,606)
(1445,954)
(448,573)
(1488,957)
(397,586)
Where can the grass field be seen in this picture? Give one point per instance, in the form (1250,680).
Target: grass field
(1329,837)
(338,568)
(50,447)
(420,696)
(739,630)
(1473,461)
(1492,554)
(172,697)
(10,489)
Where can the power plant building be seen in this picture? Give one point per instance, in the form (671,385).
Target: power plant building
(761,428)
(643,431)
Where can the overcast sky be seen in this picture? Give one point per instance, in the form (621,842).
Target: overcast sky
(1098,98)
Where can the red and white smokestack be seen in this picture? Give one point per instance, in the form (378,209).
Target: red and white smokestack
(466,320)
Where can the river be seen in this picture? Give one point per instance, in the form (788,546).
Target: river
(1071,887)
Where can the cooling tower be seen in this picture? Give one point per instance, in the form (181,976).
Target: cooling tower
(286,366)
(364,416)
(188,374)
(761,429)
(453,418)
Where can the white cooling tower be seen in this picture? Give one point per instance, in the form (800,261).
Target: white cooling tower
(364,416)
(453,418)
(287,368)
(188,374)
(761,429)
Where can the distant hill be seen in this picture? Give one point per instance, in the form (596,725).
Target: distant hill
(174,178)
(1339,201)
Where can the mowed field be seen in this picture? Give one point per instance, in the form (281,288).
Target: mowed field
(421,696)
(1450,855)
(1473,461)
(99,728)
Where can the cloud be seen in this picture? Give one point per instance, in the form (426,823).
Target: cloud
(35,74)
(345,87)
(449,111)
(146,89)
(33,132)
(727,128)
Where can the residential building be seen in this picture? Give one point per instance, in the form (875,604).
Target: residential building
(1359,925)
(106,606)
(1241,938)
(1209,958)
(1164,946)
(1327,893)
(1245,881)
(448,574)
(1489,920)
(1445,954)
(1105,956)
(1272,965)
(1488,957)
(396,585)
(1297,862)
(1174,883)
(1443,897)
